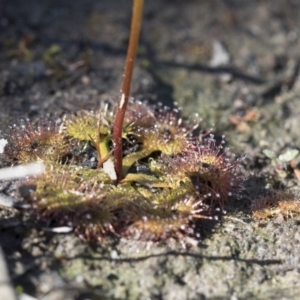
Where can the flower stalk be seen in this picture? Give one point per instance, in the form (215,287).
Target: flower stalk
(136,20)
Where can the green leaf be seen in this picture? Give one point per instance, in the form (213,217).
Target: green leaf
(143,179)
(288,155)
(270,154)
(282,174)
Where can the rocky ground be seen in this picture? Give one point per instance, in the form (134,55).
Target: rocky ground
(235,63)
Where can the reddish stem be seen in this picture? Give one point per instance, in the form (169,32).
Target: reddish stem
(136,20)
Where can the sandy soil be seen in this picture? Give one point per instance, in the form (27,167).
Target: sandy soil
(235,63)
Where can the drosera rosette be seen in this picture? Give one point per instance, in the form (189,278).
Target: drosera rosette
(62,197)
(163,192)
(40,141)
(210,167)
(157,129)
(128,168)
(279,204)
(218,171)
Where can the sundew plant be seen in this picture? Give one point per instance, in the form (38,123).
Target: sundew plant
(127,169)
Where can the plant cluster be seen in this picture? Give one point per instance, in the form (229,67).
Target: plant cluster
(282,203)
(123,170)
(170,175)
(279,163)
